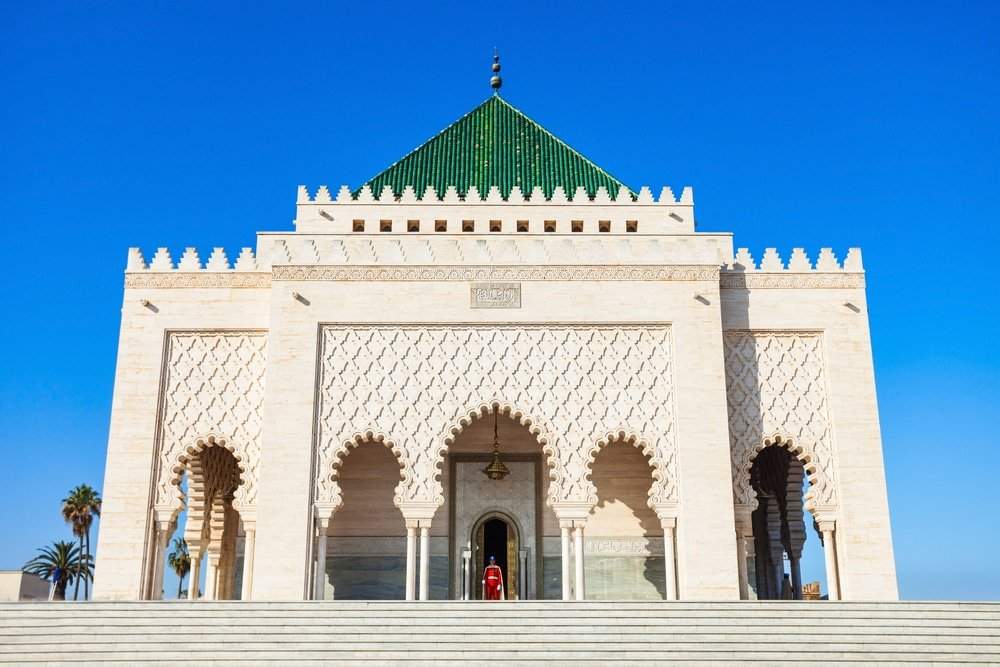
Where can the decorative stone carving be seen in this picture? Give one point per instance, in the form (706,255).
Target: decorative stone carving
(206,279)
(789,280)
(776,384)
(420,385)
(484,273)
(213,395)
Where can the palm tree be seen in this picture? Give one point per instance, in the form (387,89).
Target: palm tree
(180,561)
(79,509)
(62,564)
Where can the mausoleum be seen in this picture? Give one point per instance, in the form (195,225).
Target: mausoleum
(494,347)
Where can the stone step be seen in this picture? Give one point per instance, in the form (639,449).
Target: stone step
(501,655)
(551,633)
(681,642)
(199,634)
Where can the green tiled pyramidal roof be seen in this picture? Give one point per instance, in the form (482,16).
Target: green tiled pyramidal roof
(495,144)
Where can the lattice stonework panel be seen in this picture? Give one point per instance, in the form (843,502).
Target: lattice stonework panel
(214,384)
(776,385)
(575,384)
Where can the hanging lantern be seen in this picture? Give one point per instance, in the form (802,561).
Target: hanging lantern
(496,470)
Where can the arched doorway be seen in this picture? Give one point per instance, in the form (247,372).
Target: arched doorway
(208,552)
(626,557)
(782,548)
(527,530)
(364,548)
(496,534)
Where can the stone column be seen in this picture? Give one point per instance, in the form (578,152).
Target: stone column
(744,530)
(319,590)
(425,559)
(162,532)
(741,564)
(211,573)
(578,546)
(564,528)
(250,528)
(669,566)
(667,513)
(411,559)
(827,528)
(466,574)
(195,580)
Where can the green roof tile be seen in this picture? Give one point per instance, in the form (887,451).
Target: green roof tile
(495,144)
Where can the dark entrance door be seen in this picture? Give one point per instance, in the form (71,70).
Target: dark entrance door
(496,536)
(495,544)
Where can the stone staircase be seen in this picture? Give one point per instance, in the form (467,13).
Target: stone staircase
(509,633)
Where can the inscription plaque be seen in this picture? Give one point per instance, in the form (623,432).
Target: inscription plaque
(495,295)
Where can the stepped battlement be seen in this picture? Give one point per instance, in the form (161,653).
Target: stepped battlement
(798,262)
(536,196)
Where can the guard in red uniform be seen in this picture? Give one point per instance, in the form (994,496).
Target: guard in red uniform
(493,581)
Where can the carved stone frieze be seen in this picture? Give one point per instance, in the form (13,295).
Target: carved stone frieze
(786,280)
(777,395)
(213,384)
(486,273)
(420,385)
(204,279)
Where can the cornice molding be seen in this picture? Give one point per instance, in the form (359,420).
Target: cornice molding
(171,280)
(497,273)
(740,280)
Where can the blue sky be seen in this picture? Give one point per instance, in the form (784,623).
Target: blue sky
(797,124)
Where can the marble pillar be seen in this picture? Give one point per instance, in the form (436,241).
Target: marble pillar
(564,528)
(425,560)
(411,559)
(250,528)
(827,528)
(319,592)
(578,561)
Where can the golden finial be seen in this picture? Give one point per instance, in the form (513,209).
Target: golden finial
(495,80)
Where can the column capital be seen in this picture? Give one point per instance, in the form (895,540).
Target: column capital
(826,525)
(325,510)
(824,514)
(323,522)
(248,513)
(667,511)
(418,510)
(164,514)
(573,510)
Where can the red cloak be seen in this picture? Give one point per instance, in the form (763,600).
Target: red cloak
(492,583)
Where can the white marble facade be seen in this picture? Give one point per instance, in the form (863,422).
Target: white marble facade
(324,339)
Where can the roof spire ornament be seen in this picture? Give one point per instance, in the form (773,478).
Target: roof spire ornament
(495,80)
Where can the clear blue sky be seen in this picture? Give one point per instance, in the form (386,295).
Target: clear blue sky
(805,124)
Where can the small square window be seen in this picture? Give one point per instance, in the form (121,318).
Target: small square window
(631,225)
(576,226)
(468,226)
(440,225)
(359,225)
(522,225)
(413,225)
(385,225)
(495,225)
(550,225)
(604,226)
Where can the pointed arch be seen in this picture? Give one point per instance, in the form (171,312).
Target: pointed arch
(357,439)
(658,469)
(541,433)
(819,483)
(190,453)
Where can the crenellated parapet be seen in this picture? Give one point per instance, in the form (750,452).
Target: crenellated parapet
(536,196)
(772,271)
(452,211)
